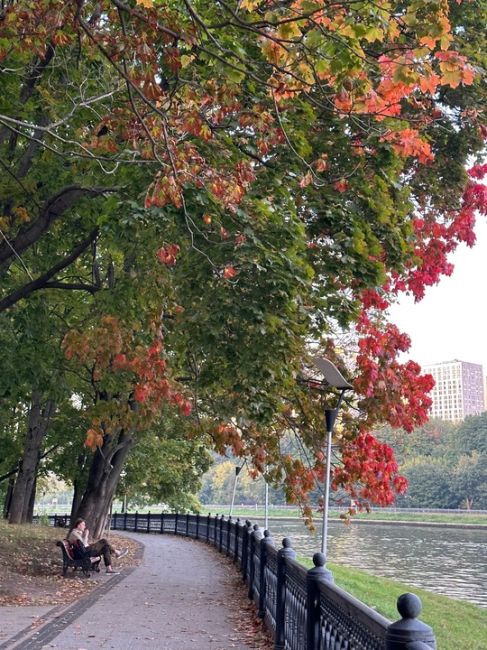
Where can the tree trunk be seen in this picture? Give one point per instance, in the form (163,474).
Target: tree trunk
(102,483)
(29,502)
(38,422)
(77,494)
(8,497)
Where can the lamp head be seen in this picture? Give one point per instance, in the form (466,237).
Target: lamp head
(332,375)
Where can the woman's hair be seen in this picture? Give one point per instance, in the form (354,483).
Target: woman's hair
(77,522)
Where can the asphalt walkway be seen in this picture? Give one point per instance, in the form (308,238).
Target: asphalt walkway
(183,596)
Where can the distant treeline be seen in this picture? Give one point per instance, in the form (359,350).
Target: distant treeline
(445,463)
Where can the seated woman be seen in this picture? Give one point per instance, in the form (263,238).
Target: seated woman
(78,536)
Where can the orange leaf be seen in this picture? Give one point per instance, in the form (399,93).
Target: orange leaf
(229,272)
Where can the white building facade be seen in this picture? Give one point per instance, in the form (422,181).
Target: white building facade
(458,391)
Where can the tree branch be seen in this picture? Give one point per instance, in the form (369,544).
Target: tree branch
(30,82)
(13,471)
(73,286)
(51,210)
(42,281)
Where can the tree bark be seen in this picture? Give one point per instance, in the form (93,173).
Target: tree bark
(29,502)
(102,483)
(8,497)
(38,422)
(76,502)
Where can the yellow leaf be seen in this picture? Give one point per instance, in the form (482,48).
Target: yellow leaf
(374,34)
(250,5)
(186,60)
(148,4)
(393,30)
(348,30)
(289,31)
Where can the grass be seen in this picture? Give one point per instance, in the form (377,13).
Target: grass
(275,511)
(457,625)
(435,517)
(427,517)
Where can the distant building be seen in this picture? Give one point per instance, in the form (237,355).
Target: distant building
(458,391)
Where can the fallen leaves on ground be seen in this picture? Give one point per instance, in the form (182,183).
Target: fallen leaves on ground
(31,566)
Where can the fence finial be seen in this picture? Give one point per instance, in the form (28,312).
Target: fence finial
(409,631)
(268,536)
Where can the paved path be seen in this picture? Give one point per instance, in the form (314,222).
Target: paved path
(183,596)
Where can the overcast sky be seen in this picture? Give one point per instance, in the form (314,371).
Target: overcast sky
(451,320)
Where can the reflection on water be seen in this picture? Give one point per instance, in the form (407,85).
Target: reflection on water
(449,561)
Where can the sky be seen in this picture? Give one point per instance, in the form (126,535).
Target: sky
(451,320)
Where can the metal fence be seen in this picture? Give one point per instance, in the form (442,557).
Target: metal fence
(303,609)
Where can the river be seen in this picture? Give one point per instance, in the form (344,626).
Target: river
(448,561)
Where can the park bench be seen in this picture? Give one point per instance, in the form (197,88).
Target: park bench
(86,564)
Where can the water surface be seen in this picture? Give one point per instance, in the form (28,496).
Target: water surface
(448,561)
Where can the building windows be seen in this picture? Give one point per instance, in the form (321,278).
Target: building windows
(458,391)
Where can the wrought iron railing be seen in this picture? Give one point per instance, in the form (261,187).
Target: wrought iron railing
(303,609)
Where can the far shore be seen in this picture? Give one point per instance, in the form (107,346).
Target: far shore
(388,522)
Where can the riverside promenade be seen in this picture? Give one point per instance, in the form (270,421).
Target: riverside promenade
(181,596)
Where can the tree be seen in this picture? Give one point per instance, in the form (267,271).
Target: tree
(470,480)
(455,450)
(295,162)
(165,467)
(430,484)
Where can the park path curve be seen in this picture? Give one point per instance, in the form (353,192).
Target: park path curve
(183,596)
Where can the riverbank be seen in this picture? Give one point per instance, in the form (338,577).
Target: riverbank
(460,519)
(457,624)
(395,522)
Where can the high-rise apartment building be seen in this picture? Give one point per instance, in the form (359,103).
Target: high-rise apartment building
(458,391)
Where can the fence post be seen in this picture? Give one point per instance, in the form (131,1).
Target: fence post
(197,525)
(215,530)
(237,533)
(255,536)
(136,518)
(409,633)
(208,522)
(148,522)
(176,524)
(264,545)
(284,553)
(245,549)
(313,578)
(125,520)
(162,523)
(187,525)
(229,526)
(220,536)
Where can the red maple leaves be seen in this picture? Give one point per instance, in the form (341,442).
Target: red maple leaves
(167,254)
(368,471)
(136,374)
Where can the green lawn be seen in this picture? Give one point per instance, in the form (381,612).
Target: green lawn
(451,518)
(457,625)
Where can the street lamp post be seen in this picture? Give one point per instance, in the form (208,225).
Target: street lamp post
(266,504)
(237,472)
(333,377)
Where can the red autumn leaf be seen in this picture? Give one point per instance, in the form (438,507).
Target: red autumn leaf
(229,272)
